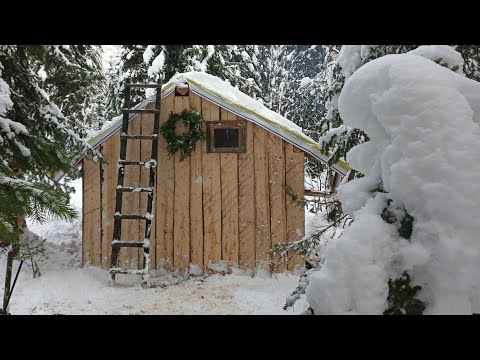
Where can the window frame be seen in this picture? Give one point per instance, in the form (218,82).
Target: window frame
(227,124)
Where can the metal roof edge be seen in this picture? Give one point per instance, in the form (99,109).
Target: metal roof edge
(301,141)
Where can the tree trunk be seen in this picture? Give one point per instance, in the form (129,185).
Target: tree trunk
(8,280)
(21,225)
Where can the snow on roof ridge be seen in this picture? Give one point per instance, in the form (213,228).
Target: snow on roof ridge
(252,106)
(217,84)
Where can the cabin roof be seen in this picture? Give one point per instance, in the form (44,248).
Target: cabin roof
(230,98)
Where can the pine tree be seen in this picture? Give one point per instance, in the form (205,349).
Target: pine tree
(301,102)
(337,138)
(144,64)
(276,75)
(112,92)
(38,86)
(73,79)
(218,60)
(471,57)
(262,70)
(334,137)
(130,64)
(341,63)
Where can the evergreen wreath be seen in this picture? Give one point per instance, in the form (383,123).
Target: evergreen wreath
(184,143)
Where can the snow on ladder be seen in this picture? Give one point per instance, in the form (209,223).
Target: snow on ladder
(117,243)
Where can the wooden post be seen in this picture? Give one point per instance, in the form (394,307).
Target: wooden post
(351,175)
(335,180)
(21,225)
(8,281)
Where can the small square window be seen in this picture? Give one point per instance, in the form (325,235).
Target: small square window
(225,136)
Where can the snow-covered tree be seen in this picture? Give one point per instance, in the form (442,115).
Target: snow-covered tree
(411,247)
(275,73)
(340,63)
(303,105)
(145,63)
(126,61)
(471,57)
(42,93)
(79,90)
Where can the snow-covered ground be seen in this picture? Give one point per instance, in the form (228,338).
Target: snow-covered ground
(66,288)
(73,290)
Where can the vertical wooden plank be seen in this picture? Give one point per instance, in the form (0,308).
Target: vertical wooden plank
(196,203)
(83,215)
(91,207)
(165,191)
(85,237)
(91,177)
(294,178)
(229,184)
(246,202)
(278,226)
(145,155)
(262,201)
(212,211)
(128,257)
(181,229)
(96,245)
(105,189)
(224,115)
(95,234)
(111,151)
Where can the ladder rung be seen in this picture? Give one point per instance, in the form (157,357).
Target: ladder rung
(124,162)
(139,137)
(132,216)
(148,164)
(133,189)
(118,243)
(147,86)
(141,111)
(130,272)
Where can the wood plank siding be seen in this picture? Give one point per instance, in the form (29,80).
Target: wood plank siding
(213,211)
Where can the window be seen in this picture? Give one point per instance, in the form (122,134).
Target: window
(226,136)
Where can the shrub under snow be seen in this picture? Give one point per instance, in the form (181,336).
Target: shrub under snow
(423,121)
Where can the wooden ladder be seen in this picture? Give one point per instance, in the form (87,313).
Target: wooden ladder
(117,241)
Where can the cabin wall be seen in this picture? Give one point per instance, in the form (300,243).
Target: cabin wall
(212,210)
(91,219)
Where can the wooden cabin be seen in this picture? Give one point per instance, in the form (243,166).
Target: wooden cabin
(222,207)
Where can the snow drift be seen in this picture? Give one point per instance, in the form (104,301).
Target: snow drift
(423,122)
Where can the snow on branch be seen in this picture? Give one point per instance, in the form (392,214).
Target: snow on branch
(413,208)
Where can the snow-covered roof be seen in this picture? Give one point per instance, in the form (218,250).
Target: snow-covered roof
(226,96)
